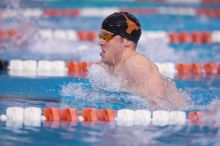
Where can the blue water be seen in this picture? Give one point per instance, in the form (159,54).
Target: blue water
(148,22)
(44,92)
(48,91)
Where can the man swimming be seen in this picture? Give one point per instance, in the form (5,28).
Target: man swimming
(118,38)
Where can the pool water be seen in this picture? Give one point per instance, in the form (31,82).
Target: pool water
(76,92)
(45,92)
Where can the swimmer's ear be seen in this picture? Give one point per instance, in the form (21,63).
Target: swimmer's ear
(128,43)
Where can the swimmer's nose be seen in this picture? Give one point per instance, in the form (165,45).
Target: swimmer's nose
(101,42)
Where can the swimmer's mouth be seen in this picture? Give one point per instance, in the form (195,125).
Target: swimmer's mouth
(102,53)
(103,50)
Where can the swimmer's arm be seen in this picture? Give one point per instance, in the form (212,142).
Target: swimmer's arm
(138,75)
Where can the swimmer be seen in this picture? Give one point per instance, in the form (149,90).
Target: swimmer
(118,38)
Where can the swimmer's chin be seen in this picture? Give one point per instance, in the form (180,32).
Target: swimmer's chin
(101,54)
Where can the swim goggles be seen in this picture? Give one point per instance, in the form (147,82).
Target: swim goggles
(106,36)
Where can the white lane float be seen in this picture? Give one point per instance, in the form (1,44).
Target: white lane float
(71,35)
(29,65)
(167,69)
(60,34)
(51,68)
(142,117)
(177,117)
(160,117)
(15,114)
(216,36)
(22,67)
(125,117)
(46,33)
(32,116)
(15,64)
(43,66)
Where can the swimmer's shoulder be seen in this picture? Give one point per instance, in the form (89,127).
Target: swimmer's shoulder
(138,59)
(141,63)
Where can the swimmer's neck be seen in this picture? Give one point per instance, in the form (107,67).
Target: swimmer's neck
(123,57)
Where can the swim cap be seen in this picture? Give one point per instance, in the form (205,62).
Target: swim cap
(123,24)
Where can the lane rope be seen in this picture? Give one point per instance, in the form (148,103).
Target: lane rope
(91,12)
(19,67)
(183,37)
(33,116)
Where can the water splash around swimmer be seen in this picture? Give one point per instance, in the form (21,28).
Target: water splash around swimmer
(105,91)
(78,96)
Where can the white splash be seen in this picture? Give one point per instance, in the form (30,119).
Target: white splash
(213,117)
(74,89)
(77,95)
(160,50)
(101,79)
(81,51)
(157,49)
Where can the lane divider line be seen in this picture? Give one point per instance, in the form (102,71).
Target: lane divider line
(34,116)
(91,12)
(183,37)
(19,67)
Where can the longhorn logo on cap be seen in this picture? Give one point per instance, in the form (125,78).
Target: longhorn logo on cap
(131,25)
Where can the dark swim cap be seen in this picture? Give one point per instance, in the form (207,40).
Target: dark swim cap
(123,24)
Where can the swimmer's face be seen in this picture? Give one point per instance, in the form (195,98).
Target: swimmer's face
(111,45)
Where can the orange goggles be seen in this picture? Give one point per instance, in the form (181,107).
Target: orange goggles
(106,36)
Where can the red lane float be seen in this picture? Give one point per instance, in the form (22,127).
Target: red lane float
(90,114)
(183,68)
(195,118)
(190,37)
(61,12)
(203,119)
(7,33)
(106,115)
(84,66)
(56,114)
(93,115)
(210,1)
(196,37)
(218,70)
(195,68)
(184,37)
(173,38)
(73,66)
(206,37)
(78,66)
(209,68)
(87,35)
(52,114)
(208,12)
(69,114)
